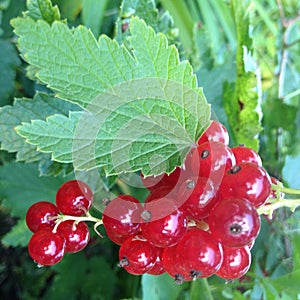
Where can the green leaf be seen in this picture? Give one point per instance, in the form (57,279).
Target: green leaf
(25,110)
(242,99)
(146,10)
(144,111)
(69,9)
(93,13)
(21,186)
(42,9)
(19,235)
(160,287)
(200,290)
(9,61)
(87,278)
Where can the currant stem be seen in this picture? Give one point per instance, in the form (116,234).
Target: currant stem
(290,191)
(268,209)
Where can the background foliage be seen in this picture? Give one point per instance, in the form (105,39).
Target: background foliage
(245,55)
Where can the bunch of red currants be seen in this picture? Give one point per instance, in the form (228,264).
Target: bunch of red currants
(198,221)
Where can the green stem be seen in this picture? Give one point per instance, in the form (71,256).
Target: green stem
(290,191)
(268,209)
(200,289)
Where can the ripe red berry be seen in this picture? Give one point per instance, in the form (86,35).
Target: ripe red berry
(234,222)
(158,267)
(216,132)
(77,236)
(200,254)
(198,196)
(167,230)
(46,248)
(170,180)
(137,256)
(74,198)
(173,265)
(236,262)
(245,154)
(40,215)
(212,160)
(121,217)
(247,181)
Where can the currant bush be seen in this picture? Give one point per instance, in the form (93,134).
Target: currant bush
(200,220)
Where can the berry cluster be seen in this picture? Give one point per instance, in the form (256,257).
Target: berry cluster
(55,234)
(198,221)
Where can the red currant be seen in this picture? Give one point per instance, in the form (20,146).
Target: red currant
(158,267)
(216,132)
(77,236)
(212,160)
(198,196)
(245,154)
(200,254)
(170,180)
(248,181)
(137,256)
(46,248)
(121,217)
(173,266)
(74,198)
(236,262)
(41,214)
(234,222)
(166,231)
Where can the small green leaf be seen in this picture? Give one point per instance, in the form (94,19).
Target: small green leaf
(160,287)
(42,10)
(19,235)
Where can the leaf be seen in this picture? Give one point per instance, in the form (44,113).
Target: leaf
(19,235)
(87,278)
(21,186)
(9,61)
(160,287)
(42,9)
(146,10)
(291,171)
(242,99)
(25,110)
(144,111)
(93,14)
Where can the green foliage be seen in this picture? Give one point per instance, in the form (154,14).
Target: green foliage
(168,125)
(9,61)
(42,10)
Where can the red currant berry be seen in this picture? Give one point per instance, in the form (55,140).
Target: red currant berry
(46,248)
(160,192)
(216,132)
(77,236)
(212,160)
(201,255)
(173,266)
(74,198)
(137,256)
(121,217)
(166,231)
(234,222)
(170,180)
(236,263)
(158,267)
(198,196)
(41,214)
(248,181)
(245,154)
